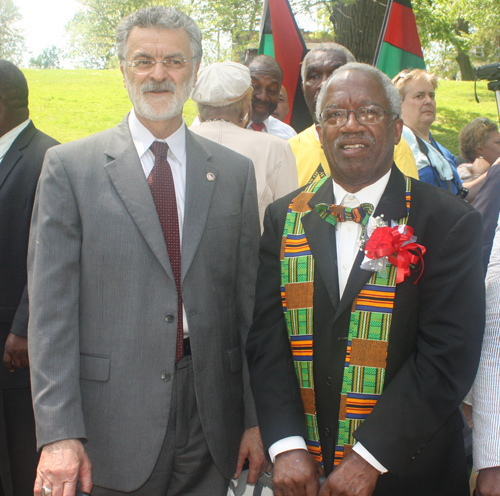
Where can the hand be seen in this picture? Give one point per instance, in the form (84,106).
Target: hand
(354,476)
(488,482)
(251,447)
(479,166)
(296,473)
(467,411)
(61,464)
(15,355)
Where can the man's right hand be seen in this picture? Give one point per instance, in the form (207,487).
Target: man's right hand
(61,464)
(296,473)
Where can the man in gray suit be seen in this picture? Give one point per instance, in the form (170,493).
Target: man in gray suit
(142,262)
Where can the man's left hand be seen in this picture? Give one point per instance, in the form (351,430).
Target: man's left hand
(488,482)
(251,447)
(353,477)
(15,355)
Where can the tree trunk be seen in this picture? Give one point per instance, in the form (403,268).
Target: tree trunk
(357,26)
(462,58)
(466,70)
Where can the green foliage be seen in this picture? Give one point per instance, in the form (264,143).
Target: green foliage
(92,30)
(11,37)
(228,26)
(48,59)
(72,104)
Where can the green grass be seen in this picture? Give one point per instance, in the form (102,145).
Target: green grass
(71,104)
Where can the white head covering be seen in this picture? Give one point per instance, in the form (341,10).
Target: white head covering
(221,84)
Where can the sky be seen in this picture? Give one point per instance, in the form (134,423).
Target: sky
(43,22)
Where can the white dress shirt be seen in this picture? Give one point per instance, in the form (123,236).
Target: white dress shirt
(8,138)
(276,127)
(486,389)
(176,156)
(347,237)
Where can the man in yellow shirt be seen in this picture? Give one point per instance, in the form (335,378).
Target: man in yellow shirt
(317,67)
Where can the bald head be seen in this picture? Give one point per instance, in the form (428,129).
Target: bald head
(266,75)
(13,97)
(318,65)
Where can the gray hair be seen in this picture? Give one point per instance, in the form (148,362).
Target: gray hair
(390,90)
(160,18)
(326,47)
(233,110)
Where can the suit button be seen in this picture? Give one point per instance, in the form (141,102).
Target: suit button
(165,376)
(329,381)
(327,431)
(169,318)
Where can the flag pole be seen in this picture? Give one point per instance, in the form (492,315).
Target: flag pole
(382,33)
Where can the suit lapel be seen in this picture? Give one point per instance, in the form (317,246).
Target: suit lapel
(321,237)
(393,206)
(15,152)
(125,171)
(199,191)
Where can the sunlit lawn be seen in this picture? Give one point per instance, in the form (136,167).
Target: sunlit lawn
(71,104)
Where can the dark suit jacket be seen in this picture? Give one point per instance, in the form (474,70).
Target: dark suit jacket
(487,201)
(19,172)
(434,344)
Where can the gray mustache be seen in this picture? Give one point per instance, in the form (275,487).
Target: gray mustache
(155,86)
(348,136)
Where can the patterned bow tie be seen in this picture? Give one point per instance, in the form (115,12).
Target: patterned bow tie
(337,213)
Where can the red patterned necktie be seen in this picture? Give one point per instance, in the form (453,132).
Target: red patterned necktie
(257,126)
(161,182)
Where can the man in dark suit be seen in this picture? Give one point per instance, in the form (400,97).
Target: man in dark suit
(376,352)
(22,148)
(142,263)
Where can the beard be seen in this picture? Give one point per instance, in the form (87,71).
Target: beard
(159,110)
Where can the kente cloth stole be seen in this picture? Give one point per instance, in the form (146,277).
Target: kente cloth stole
(368,335)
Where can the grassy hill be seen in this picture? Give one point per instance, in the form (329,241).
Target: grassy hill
(71,104)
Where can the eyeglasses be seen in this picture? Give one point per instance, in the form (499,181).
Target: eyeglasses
(369,114)
(171,64)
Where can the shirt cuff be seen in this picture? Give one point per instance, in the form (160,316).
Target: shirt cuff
(286,444)
(364,453)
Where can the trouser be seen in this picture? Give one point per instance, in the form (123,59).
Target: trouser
(184,466)
(18,455)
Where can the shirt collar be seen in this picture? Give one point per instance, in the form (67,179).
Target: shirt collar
(143,138)
(369,194)
(8,138)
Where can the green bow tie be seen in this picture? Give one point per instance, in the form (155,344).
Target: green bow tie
(337,213)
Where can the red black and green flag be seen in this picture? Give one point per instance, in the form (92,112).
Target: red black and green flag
(280,38)
(399,45)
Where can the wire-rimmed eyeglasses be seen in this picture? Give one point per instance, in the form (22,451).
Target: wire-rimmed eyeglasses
(171,64)
(367,114)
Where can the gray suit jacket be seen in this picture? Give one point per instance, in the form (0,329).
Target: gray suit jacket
(102,351)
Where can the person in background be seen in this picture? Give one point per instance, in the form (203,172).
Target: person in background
(283,106)
(486,389)
(266,77)
(436,165)
(22,149)
(479,143)
(318,65)
(358,366)
(480,140)
(223,93)
(142,260)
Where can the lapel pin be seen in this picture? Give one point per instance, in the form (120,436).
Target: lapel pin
(211,176)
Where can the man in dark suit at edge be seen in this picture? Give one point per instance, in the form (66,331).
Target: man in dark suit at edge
(22,149)
(377,358)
